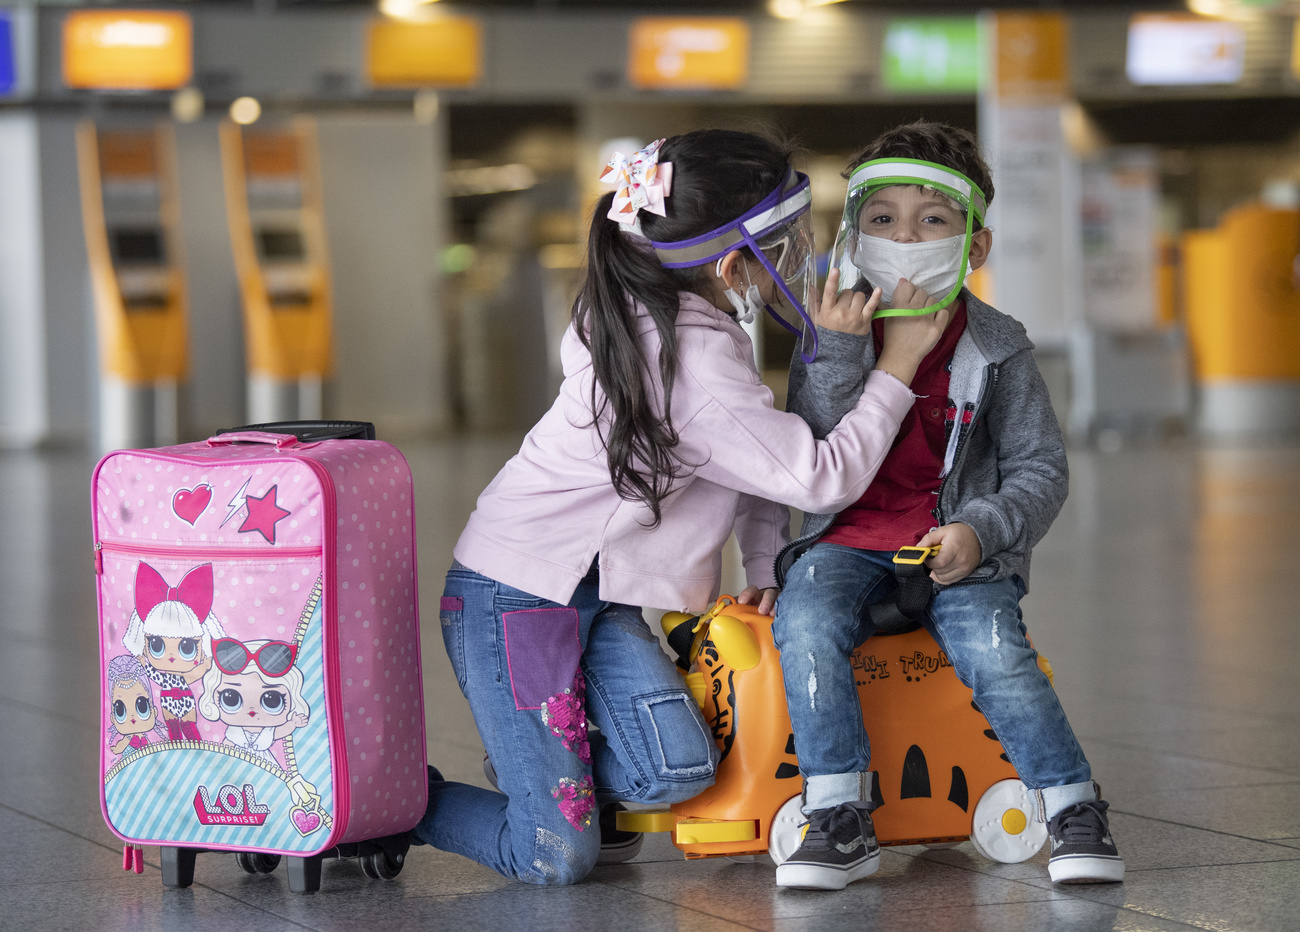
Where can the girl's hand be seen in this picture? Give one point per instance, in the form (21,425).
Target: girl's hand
(845,311)
(909,339)
(960,555)
(765,599)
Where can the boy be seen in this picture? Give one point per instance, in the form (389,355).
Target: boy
(978,468)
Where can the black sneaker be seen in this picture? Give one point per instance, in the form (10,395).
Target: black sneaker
(839,846)
(1082,849)
(616,845)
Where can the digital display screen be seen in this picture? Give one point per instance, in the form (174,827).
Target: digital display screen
(137,246)
(1164,50)
(281,245)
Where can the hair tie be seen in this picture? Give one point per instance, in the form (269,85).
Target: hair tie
(640,182)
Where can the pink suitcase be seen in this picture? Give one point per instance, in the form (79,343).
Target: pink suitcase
(260,651)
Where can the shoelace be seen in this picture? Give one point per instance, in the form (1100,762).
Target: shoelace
(824,821)
(1083,823)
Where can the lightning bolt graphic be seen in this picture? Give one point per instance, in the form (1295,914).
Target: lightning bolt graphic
(237,502)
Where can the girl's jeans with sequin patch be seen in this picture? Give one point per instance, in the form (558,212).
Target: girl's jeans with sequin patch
(536,673)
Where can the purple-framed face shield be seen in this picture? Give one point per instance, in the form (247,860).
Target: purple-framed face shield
(778,229)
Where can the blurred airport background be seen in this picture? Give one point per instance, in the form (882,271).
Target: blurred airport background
(214,213)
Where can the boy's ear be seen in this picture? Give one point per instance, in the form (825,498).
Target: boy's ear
(980,243)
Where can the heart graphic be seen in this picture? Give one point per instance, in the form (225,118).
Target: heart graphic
(305,822)
(190,503)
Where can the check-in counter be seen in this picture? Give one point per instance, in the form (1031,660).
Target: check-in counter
(277,233)
(131,218)
(1243,319)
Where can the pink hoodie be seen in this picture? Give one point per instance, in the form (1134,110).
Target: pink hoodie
(553,508)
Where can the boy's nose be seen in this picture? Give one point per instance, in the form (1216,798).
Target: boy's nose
(906,233)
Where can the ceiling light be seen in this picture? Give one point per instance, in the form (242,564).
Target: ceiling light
(245,110)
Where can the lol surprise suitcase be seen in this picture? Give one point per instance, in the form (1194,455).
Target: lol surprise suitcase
(260,661)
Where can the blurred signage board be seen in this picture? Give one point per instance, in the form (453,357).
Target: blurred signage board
(1032,56)
(1175,49)
(446,52)
(8,73)
(933,53)
(127,49)
(688,53)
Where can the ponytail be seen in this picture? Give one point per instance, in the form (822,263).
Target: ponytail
(717,176)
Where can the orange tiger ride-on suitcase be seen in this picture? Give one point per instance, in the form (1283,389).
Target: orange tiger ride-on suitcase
(942,774)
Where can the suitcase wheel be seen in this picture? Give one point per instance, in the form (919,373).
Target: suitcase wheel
(379,865)
(255,863)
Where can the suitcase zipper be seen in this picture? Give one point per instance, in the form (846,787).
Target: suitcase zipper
(214,552)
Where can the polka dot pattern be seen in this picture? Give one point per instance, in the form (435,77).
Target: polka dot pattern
(192,500)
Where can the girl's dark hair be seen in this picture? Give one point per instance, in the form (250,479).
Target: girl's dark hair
(931,142)
(717,176)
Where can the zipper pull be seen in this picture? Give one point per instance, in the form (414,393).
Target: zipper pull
(99,559)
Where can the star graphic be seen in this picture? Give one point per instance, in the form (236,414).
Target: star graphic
(263,513)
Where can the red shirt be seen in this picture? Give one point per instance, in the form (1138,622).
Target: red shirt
(897,509)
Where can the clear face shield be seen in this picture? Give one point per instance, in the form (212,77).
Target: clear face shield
(937,266)
(778,230)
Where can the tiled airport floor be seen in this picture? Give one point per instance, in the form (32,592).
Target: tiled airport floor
(1164,597)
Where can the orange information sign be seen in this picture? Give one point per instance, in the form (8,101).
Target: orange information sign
(127,49)
(1032,59)
(688,53)
(446,52)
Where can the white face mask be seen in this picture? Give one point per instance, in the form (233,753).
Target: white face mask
(750,305)
(934,267)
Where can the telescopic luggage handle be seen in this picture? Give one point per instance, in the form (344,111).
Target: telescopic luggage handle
(304,431)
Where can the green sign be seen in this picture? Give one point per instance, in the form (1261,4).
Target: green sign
(933,53)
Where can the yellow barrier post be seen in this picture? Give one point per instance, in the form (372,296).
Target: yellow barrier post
(277,235)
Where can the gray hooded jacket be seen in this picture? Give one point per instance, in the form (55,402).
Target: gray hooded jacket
(1006,468)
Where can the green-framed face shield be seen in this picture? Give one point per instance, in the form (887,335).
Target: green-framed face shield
(936,265)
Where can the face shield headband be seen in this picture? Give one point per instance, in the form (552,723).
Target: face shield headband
(783,207)
(870,177)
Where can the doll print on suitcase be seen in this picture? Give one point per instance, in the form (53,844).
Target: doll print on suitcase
(259,643)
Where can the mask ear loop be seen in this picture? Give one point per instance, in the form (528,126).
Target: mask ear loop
(956,289)
(746,306)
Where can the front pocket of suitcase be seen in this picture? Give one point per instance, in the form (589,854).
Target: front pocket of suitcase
(215,731)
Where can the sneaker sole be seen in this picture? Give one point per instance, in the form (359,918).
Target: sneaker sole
(1086,868)
(618,853)
(821,877)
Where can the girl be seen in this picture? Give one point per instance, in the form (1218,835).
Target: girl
(132,715)
(254,689)
(662,442)
(171,632)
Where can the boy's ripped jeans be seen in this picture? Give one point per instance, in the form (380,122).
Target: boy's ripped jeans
(821,616)
(535,674)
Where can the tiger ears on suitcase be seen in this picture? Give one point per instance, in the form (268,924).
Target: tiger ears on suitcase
(737,645)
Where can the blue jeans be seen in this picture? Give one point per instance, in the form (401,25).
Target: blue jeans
(535,674)
(821,617)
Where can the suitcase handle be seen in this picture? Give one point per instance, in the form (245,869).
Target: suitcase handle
(308,431)
(279,441)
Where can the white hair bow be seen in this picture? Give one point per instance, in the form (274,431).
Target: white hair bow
(640,182)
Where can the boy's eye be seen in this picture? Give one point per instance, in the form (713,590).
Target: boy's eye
(273,702)
(157,646)
(142,705)
(119,710)
(188,648)
(230,700)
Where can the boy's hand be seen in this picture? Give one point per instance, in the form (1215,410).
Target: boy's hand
(765,599)
(960,555)
(847,311)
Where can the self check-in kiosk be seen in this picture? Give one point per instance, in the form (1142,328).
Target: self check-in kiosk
(131,216)
(277,233)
